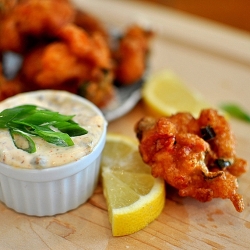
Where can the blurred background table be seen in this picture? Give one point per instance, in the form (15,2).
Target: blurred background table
(234,13)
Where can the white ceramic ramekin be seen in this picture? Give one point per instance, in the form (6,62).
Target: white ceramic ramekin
(55,190)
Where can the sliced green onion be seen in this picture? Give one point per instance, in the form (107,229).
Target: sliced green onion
(31,145)
(57,138)
(207,133)
(72,129)
(236,111)
(221,163)
(30,120)
(45,115)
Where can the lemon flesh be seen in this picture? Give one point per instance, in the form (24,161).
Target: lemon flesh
(165,94)
(134,197)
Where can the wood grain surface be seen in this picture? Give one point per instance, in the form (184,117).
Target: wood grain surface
(234,13)
(220,75)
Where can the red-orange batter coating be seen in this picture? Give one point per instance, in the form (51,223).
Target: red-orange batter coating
(197,164)
(33,19)
(131,55)
(68,49)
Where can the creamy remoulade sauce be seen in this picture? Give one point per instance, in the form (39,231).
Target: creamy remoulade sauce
(48,155)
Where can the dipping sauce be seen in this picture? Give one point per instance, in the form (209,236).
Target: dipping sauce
(48,155)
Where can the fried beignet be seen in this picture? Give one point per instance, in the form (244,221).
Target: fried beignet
(57,66)
(131,55)
(68,49)
(195,156)
(33,19)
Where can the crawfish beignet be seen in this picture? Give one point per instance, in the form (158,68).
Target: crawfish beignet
(195,156)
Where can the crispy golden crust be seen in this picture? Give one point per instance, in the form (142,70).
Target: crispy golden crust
(64,48)
(175,150)
(33,19)
(6,6)
(57,53)
(131,55)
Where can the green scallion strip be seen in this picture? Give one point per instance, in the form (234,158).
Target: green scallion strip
(29,120)
(236,111)
(31,148)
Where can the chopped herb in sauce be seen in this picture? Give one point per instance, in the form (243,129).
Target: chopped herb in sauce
(26,121)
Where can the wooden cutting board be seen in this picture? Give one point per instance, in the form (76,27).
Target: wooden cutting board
(184,223)
(215,61)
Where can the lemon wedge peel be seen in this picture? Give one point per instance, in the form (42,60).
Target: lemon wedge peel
(141,213)
(131,207)
(165,94)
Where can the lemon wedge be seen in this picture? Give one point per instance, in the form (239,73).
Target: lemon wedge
(165,94)
(134,197)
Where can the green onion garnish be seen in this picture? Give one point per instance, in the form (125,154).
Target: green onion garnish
(26,121)
(207,133)
(221,163)
(236,111)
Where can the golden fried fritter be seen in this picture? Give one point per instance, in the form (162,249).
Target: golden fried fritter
(33,19)
(77,63)
(91,48)
(57,54)
(65,48)
(6,6)
(52,65)
(196,156)
(131,55)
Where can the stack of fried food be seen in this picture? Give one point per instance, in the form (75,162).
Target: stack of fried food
(69,49)
(195,156)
